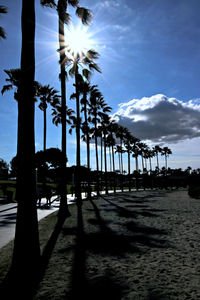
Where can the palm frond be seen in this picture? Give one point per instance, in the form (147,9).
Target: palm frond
(92,54)
(66,18)
(2,33)
(94,66)
(86,74)
(6,88)
(72,71)
(73,3)
(48,3)
(73,96)
(3,9)
(85,15)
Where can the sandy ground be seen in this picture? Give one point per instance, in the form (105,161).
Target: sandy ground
(139,245)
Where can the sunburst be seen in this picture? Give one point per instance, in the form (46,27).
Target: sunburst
(78,40)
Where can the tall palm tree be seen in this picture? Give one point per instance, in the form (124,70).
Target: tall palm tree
(166,152)
(3,10)
(120,133)
(79,61)
(26,253)
(85,89)
(128,142)
(46,95)
(157,149)
(135,154)
(105,121)
(112,129)
(97,106)
(64,18)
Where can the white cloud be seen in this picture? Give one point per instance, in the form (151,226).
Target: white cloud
(161,119)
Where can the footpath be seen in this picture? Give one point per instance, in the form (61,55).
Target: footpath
(8,214)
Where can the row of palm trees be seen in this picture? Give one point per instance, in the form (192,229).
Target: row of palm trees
(26,262)
(96,127)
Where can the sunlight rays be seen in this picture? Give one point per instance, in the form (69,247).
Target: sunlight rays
(79,40)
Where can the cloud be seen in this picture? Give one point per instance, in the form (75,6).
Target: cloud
(160,119)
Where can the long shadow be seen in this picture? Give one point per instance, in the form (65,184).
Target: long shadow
(124,212)
(47,252)
(141,234)
(106,240)
(98,287)
(8,219)
(78,281)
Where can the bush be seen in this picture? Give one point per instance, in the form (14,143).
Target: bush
(194,191)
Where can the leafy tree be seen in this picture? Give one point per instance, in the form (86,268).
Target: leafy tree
(3,167)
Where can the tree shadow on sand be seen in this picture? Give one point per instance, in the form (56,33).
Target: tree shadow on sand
(106,242)
(99,286)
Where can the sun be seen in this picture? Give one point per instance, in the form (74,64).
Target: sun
(78,40)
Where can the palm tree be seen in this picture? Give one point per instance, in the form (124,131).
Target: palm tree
(14,82)
(135,154)
(128,142)
(157,150)
(105,121)
(120,133)
(85,89)
(26,253)
(97,106)
(46,95)
(3,10)
(79,61)
(56,113)
(64,18)
(112,129)
(166,152)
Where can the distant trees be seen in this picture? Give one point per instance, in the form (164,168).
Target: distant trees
(3,168)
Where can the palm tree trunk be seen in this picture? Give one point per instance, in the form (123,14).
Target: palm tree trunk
(26,253)
(165,161)
(113,162)
(110,159)
(119,162)
(88,147)
(101,161)
(137,169)
(97,159)
(105,160)
(78,148)
(142,162)
(157,162)
(129,170)
(45,129)
(63,210)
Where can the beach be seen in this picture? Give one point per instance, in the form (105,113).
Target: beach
(138,245)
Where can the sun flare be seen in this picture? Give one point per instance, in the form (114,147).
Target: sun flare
(78,40)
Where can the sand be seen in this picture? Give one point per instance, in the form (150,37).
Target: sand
(139,245)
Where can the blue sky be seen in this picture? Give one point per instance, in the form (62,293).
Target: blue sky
(150,53)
